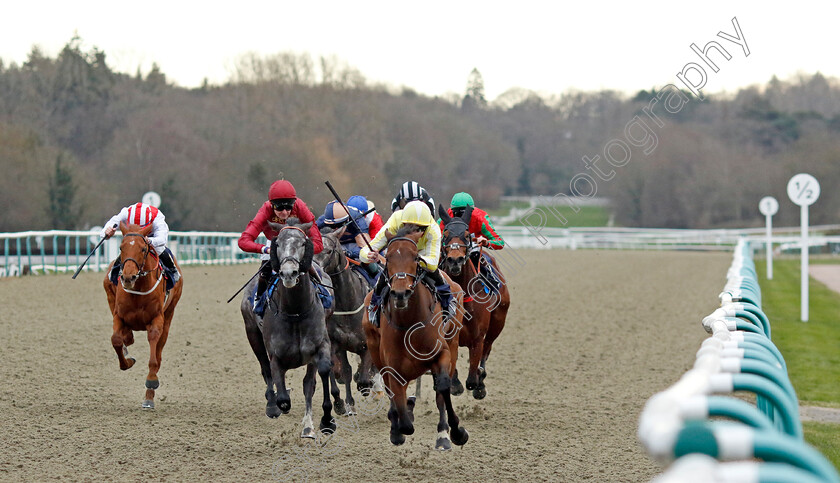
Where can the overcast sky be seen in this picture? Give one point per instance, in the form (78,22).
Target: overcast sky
(432,46)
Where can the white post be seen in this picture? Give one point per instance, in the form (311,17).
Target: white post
(803,189)
(768,206)
(804,217)
(769,245)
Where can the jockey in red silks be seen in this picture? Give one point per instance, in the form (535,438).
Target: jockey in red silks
(144,215)
(480,226)
(282,204)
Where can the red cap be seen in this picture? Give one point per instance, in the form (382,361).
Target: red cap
(281,189)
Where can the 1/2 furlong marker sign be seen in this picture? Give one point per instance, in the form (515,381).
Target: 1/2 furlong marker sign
(803,189)
(768,206)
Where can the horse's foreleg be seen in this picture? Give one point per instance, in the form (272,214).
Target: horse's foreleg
(401,424)
(118,341)
(308,392)
(278,381)
(154,332)
(442,442)
(476,351)
(458,434)
(325,370)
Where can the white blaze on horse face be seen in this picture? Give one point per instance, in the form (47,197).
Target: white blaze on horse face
(131,243)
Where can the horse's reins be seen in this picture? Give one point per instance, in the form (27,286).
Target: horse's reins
(141,273)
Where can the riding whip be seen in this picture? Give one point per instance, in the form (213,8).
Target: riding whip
(90,255)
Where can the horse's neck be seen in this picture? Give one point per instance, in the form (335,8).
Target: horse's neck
(297,299)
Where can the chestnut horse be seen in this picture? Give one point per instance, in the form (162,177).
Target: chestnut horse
(486,311)
(140,302)
(412,339)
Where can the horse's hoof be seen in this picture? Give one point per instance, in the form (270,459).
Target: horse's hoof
(147,404)
(356,377)
(443,444)
(327,428)
(460,436)
(351,411)
(480,393)
(152,384)
(284,406)
(471,385)
(457,388)
(272,411)
(339,408)
(308,433)
(397,439)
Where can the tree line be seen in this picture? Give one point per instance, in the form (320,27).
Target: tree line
(79,140)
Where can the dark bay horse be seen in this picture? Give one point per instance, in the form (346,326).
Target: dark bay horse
(412,339)
(140,302)
(344,325)
(486,311)
(293,331)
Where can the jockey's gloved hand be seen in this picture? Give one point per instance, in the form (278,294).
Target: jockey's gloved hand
(482,241)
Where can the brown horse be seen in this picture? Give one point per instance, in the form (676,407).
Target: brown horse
(486,311)
(140,302)
(412,339)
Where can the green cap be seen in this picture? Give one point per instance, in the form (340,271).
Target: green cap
(461,200)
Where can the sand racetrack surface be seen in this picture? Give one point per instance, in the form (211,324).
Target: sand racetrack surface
(591,335)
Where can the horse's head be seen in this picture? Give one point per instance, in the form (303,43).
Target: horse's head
(330,256)
(291,251)
(134,251)
(456,241)
(401,266)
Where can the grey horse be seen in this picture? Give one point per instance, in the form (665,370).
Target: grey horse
(293,331)
(345,324)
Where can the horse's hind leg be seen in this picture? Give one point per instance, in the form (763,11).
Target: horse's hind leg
(118,341)
(457,387)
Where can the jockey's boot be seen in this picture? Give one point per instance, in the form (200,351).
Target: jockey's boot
(262,285)
(376,301)
(444,294)
(169,264)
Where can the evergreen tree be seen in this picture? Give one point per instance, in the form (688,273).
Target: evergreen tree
(62,213)
(474,98)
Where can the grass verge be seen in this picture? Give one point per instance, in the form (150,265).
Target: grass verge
(811,349)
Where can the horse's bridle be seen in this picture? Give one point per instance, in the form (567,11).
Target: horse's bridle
(457,246)
(140,265)
(403,275)
(336,253)
(290,258)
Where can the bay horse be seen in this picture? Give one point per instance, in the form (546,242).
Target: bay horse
(486,311)
(293,331)
(412,339)
(344,325)
(140,302)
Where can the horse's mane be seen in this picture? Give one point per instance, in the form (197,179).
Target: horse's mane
(405,231)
